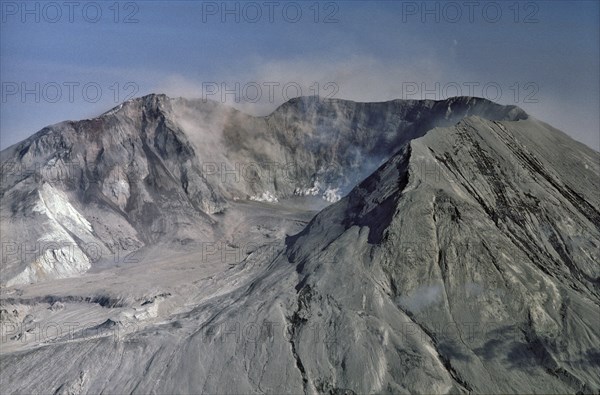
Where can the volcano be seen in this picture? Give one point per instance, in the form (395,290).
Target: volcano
(181,246)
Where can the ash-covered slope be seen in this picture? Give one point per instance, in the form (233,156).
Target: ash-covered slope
(468,262)
(328,144)
(155,170)
(78,192)
(482,238)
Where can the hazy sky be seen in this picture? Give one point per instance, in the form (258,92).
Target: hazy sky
(73,60)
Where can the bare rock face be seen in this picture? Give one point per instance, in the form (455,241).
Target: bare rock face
(476,240)
(465,262)
(154,170)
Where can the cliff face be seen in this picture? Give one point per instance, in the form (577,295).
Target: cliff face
(466,261)
(156,169)
(481,240)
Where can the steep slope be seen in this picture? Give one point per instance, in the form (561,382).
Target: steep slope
(480,241)
(123,175)
(322,144)
(468,262)
(156,170)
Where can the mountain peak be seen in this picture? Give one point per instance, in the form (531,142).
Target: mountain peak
(459,244)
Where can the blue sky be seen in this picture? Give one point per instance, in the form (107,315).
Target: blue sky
(540,55)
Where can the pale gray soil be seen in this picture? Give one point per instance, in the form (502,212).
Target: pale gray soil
(463,255)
